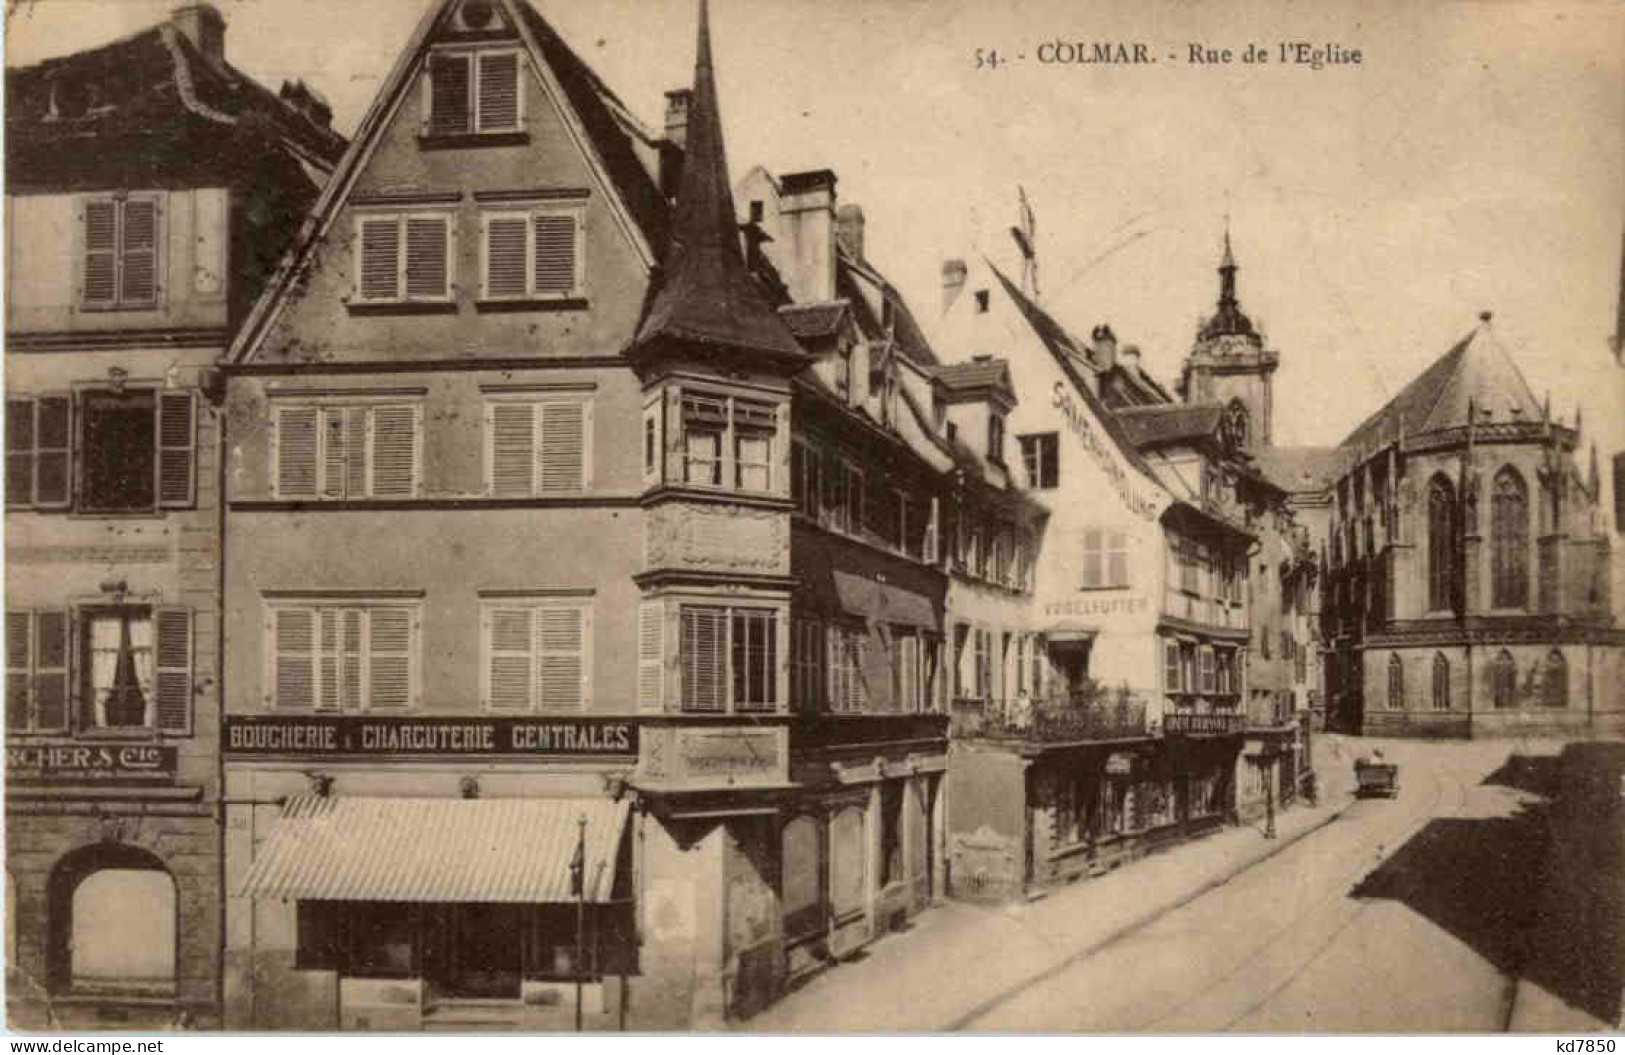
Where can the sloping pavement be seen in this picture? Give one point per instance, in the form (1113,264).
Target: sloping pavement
(944,970)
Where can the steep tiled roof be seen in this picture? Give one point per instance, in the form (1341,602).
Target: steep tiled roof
(1156,426)
(1477,372)
(707,295)
(979,373)
(908,337)
(1302,468)
(591,99)
(811,321)
(1061,345)
(149,110)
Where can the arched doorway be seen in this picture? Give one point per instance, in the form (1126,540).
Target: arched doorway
(113,922)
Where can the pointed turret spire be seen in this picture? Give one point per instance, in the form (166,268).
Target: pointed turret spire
(707,295)
(1229,320)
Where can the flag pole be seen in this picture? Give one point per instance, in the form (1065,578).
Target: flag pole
(578,870)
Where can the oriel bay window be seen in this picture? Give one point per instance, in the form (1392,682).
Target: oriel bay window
(339,450)
(729,659)
(728,441)
(341,655)
(404,257)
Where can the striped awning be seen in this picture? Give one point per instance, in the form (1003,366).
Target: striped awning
(442,850)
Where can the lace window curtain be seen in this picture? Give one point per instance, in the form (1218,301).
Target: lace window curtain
(106,644)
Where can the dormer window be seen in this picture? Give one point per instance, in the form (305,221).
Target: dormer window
(473,93)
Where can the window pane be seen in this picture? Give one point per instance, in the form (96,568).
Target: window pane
(120,450)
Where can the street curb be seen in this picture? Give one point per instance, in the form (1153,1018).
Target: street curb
(1140,922)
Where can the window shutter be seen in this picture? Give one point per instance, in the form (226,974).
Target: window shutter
(499,92)
(174,666)
(651,656)
(380,259)
(295,676)
(333,452)
(19,651)
(394,450)
(555,253)
(177,439)
(505,247)
(389,642)
(704,658)
(296,452)
(426,257)
(561,634)
(355,451)
(329,625)
(53,464)
(562,442)
(101,253)
(448,94)
(512,428)
(510,638)
(138,263)
(350,660)
(20,447)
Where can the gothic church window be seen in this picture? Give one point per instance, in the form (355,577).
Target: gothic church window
(1441,545)
(1509,527)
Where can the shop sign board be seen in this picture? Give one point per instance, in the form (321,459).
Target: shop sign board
(56,761)
(368,735)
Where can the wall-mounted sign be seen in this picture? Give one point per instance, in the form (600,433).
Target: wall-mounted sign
(71,762)
(1181,723)
(1119,764)
(352,734)
(730,754)
(1110,462)
(1099,606)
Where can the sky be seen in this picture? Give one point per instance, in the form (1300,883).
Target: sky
(1474,160)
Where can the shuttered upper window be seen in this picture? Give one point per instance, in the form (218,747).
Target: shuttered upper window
(537,654)
(532,253)
(38,468)
(335,451)
(404,257)
(537,446)
(729,659)
(349,656)
(121,245)
(469,92)
(133,666)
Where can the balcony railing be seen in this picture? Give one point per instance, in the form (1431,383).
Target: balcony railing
(1053,720)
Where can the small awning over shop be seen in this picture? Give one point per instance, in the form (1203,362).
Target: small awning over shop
(440,850)
(884,603)
(1070,631)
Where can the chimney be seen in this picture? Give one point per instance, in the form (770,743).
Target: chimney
(1131,360)
(1105,347)
(299,95)
(953,282)
(203,26)
(678,101)
(849,229)
(807,229)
